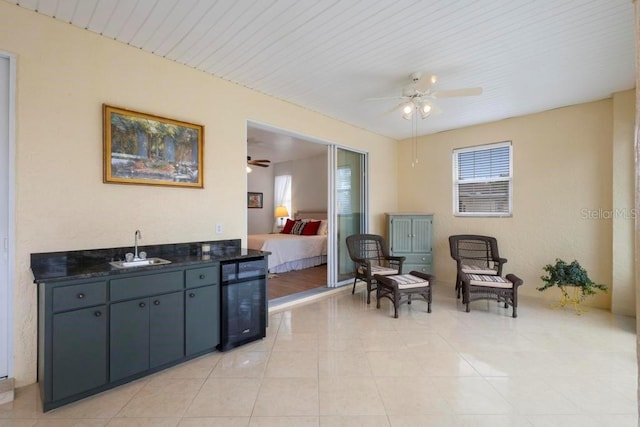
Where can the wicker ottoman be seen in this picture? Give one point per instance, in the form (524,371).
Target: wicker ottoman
(400,289)
(503,289)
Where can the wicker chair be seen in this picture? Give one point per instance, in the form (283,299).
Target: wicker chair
(475,255)
(370,254)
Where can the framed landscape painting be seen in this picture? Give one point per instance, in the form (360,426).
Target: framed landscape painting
(141,148)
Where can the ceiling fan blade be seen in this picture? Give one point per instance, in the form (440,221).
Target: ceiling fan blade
(259,164)
(394,109)
(470,91)
(386,98)
(425,82)
(261,160)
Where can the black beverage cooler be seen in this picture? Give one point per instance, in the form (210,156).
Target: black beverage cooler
(243,305)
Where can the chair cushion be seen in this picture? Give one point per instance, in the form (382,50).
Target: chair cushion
(489,281)
(378,269)
(408,281)
(476,269)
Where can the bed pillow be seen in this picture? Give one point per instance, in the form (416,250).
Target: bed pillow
(323,228)
(311,228)
(288,226)
(298,227)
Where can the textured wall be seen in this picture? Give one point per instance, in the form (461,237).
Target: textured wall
(562,162)
(65,74)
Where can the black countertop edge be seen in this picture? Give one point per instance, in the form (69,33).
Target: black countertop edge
(90,263)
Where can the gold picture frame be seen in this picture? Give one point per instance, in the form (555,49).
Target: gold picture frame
(141,148)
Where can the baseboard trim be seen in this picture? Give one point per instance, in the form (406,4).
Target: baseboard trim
(286,302)
(7,386)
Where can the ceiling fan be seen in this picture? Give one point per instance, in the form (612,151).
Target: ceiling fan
(264,163)
(419,95)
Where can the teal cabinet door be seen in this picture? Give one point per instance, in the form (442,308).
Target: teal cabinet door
(202,317)
(401,230)
(129,338)
(166,328)
(421,234)
(79,353)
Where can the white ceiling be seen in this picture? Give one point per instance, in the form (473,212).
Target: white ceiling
(330,55)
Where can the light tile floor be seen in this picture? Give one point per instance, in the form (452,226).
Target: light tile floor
(339,362)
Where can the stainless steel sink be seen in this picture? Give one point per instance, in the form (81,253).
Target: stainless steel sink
(139,262)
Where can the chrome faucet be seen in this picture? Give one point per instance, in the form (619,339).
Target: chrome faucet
(136,236)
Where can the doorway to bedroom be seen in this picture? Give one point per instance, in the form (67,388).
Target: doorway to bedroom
(309,198)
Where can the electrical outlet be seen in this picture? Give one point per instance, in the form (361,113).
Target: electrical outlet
(218,228)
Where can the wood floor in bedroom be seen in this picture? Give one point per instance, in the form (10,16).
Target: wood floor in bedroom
(284,284)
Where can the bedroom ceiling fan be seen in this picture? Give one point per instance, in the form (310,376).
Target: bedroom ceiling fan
(263,163)
(419,95)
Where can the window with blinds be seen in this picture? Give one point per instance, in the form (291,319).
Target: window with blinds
(482,180)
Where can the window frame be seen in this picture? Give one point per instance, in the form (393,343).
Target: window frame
(457,182)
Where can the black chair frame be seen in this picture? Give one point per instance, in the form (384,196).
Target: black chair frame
(367,250)
(387,287)
(508,296)
(477,250)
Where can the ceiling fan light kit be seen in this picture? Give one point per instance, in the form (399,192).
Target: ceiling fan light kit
(419,95)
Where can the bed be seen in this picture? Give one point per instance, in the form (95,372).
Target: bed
(291,252)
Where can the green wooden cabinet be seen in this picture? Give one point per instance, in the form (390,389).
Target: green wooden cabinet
(202,319)
(79,351)
(129,338)
(96,334)
(411,235)
(146,333)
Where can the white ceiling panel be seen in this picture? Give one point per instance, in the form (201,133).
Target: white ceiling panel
(330,56)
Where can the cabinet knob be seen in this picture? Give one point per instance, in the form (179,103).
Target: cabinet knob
(156,302)
(142,305)
(192,295)
(201,276)
(97,313)
(80,295)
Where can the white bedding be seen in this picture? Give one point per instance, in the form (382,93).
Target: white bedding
(286,248)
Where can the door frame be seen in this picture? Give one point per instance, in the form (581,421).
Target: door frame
(333,241)
(331,150)
(9,245)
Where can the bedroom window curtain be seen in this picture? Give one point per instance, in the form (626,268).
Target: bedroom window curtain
(282,192)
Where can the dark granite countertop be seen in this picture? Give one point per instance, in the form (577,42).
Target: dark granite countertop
(89,263)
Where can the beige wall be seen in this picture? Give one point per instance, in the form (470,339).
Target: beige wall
(64,74)
(308,190)
(562,163)
(260,180)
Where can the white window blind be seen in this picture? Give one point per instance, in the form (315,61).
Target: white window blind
(482,180)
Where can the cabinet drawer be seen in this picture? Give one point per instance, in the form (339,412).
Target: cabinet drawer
(140,286)
(78,296)
(423,268)
(417,259)
(202,276)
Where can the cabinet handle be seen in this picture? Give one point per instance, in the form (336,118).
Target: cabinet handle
(80,295)
(97,313)
(192,295)
(156,302)
(142,305)
(201,276)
